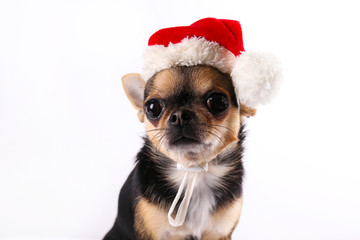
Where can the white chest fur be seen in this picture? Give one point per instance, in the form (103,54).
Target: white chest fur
(202,203)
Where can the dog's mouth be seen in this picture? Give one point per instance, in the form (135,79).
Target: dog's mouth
(184,137)
(188,146)
(183,141)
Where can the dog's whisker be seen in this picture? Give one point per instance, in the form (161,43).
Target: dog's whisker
(218,125)
(234,135)
(217,137)
(157,129)
(230,130)
(160,142)
(155,136)
(214,126)
(157,146)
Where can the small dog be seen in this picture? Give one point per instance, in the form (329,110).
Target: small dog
(192,118)
(197,86)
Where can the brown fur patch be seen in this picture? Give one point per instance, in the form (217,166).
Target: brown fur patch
(149,220)
(164,84)
(246,111)
(225,219)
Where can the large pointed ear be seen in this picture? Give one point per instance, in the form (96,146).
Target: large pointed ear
(134,87)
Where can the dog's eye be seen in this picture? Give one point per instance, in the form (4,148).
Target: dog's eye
(153,109)
(217,103)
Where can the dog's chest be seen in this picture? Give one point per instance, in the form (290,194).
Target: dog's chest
(201,205)
(199,217)
(204,219)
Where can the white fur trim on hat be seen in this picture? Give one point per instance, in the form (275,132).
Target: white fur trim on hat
(189,52)
(256,77)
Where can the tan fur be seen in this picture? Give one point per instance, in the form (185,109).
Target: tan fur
(166,83)
(150,220)
(151,223)
(246,111)
(225,219)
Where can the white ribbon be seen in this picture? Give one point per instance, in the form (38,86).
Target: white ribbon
(184,205)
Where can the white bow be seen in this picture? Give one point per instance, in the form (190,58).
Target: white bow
(184,205)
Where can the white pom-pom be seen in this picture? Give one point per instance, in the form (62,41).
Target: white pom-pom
(256,77)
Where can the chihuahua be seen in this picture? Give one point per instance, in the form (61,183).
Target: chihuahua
(187,181)
(197,86)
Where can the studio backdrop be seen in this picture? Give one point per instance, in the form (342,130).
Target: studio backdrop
(69,136)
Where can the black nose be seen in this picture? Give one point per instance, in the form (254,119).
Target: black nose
(181,117)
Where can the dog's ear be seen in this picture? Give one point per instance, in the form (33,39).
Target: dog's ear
(134,87)
(246,111)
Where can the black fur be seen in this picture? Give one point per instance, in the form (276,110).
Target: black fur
(148,180)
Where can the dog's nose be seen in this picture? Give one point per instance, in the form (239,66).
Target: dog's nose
(181,117)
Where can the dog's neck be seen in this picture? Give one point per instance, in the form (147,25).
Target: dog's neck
(160,178)
(219,186)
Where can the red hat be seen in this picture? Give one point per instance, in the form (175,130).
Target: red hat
(218,43)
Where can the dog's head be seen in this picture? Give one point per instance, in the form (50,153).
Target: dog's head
(191,113)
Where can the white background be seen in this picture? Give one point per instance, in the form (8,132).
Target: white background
(68,135)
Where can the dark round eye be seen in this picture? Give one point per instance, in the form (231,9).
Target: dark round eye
(217,103)
(153,109)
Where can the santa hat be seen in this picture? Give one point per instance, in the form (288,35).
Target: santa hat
(217,43)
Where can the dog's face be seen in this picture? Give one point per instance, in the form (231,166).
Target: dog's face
(191,113)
